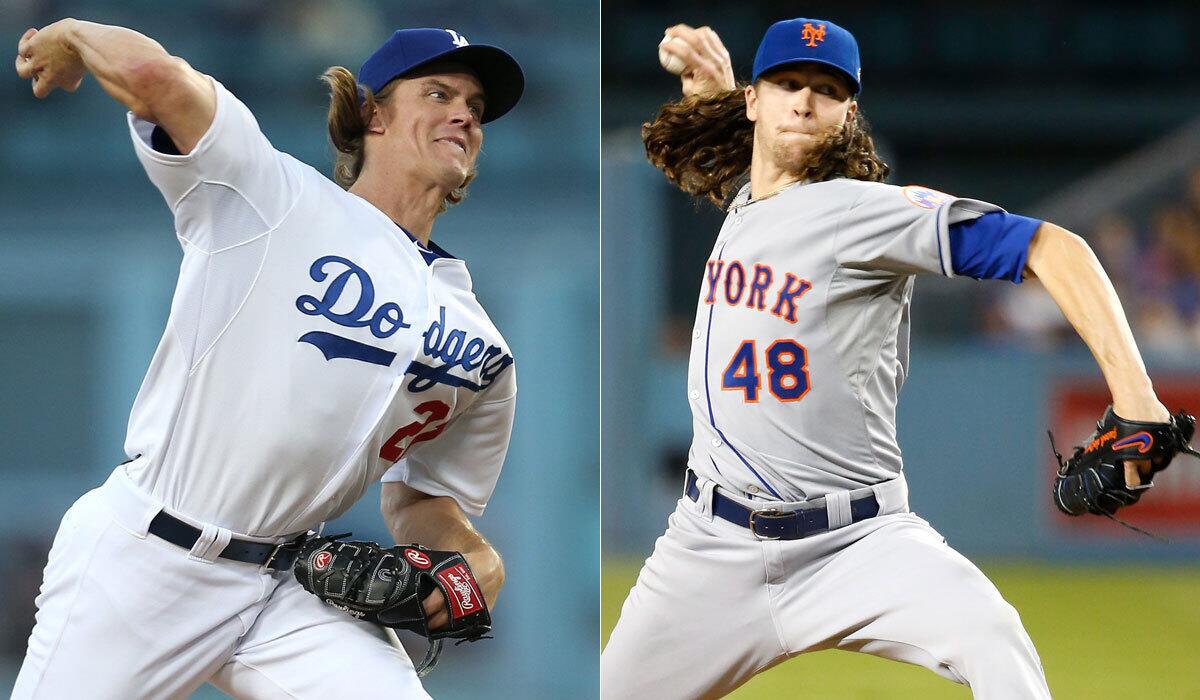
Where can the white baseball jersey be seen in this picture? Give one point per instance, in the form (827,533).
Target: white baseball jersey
(801,339)
(312,344)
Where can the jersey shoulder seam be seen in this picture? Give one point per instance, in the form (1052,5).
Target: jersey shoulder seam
(253,282)
(236,312)
(492,402)
(234,188)
(837,230)
(287,211)
(270,228)
(175,205)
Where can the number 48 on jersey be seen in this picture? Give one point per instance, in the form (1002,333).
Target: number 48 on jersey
(787,371)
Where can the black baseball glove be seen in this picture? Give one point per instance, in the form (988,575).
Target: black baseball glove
(1093,479)
(387,586)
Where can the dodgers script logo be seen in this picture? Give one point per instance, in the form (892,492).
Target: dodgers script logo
(383,321)
(445,348)
(453,348)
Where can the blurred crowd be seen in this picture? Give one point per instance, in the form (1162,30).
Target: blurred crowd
(1154,263)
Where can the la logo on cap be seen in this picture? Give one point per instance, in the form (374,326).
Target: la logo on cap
(812,35)
(460,40)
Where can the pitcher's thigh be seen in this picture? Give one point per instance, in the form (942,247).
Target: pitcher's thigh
(695,625)
(302,648)
(906,595)
(127,617)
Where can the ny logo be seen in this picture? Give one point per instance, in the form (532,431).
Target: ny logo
(811,35)
(460,40)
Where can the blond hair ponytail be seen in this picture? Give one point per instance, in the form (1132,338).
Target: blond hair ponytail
(347,122)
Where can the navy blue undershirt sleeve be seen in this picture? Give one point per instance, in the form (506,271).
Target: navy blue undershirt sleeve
(993,246)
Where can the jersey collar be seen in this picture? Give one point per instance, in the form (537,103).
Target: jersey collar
(431,252)
(740,199)
(743,196)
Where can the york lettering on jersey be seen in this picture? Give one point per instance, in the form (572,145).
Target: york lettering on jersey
(448,348)
(736,284)
(383,321)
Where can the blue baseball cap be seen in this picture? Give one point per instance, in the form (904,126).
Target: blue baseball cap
(409,49)
(804,40)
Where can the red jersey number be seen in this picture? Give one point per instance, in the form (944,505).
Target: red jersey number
(435,412)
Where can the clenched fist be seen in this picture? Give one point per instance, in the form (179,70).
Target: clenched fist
(46,57)
(698,57)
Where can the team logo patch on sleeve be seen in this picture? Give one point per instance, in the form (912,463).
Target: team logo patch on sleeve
(925,197)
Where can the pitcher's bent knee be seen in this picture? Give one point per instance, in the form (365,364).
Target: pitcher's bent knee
(989,638)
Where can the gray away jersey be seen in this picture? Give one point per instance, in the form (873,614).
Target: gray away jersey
(800,345)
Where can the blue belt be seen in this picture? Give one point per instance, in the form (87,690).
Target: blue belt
(771,524)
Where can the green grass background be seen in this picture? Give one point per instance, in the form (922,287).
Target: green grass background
(1129,631)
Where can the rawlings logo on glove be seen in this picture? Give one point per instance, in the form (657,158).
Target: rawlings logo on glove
(1093,479)
(461,592)
(387,586)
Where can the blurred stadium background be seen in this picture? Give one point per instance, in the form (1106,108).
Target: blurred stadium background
(88,262)
(1085,114)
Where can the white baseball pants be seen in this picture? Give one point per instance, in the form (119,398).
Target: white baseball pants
(124,615)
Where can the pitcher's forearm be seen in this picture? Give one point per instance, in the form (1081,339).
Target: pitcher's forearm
(1073,277)
(438,523)
(127,64)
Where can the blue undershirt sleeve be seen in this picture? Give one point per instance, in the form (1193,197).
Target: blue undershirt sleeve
(992,246)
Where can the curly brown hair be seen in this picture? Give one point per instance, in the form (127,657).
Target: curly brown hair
(704,143)
(348,128)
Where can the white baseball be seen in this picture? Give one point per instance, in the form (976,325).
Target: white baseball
(671,62)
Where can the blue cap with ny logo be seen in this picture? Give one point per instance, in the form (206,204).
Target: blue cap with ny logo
(409,49)
(803,40)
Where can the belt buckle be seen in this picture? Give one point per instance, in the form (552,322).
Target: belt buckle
(274,553)
(767,513)
(295,543)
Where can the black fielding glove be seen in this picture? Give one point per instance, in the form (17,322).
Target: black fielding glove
(1092,480)
(449,572)
(386,586)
